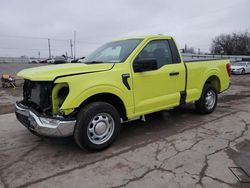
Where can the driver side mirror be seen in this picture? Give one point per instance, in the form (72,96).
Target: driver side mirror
(145,64)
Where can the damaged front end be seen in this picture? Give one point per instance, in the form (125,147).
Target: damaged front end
(39,110)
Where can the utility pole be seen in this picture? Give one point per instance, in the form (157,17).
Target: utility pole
(74,45)
(49,48)
(39,54)
(71,48)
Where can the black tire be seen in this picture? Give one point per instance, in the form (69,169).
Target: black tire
(243,71)
(201,105)
(85,119)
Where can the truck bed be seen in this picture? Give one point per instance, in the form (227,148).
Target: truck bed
(198,71)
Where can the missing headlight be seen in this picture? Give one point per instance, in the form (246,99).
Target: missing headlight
(62,94)
(37,95)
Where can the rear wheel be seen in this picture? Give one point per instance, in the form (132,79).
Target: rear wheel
(97,126)
(208,101)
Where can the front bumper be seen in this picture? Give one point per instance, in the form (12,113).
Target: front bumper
(236,71)
(44,125)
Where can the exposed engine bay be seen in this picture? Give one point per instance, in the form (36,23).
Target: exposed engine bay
(44,97)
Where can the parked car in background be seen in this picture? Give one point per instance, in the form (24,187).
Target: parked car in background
(69,59)
(240,67)
(33,60)
(78,60)
(43,61)
(60,60)
(51,60)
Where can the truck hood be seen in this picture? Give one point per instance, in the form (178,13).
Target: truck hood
(50,72)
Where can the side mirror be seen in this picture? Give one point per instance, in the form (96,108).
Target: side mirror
(145,64)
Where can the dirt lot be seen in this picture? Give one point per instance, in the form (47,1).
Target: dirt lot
(9,96)
(175,148)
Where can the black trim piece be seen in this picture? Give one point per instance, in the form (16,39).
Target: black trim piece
(183,95)
(175,53)
(199,60)
(75,74)
(125,80)
(174,73)
(183,100)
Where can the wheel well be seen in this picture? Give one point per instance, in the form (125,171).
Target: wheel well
(215,82)
(109,98)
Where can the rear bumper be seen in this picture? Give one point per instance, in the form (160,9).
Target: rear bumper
(44,125)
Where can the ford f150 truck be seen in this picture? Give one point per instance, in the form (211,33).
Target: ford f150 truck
(120,81)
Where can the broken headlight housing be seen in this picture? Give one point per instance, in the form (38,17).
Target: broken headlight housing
(59,93)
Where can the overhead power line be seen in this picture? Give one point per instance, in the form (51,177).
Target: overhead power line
(32,49)
(51,43)
(45,38)
(32,37)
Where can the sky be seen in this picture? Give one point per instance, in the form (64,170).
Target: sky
(26,25)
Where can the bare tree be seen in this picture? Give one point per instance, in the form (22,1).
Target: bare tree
(231,44)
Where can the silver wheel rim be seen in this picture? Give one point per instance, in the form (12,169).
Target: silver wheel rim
(210,99)
(100,128)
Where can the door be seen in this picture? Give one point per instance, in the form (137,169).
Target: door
(158,89)
(247,67)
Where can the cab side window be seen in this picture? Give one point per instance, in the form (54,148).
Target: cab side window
(159,50)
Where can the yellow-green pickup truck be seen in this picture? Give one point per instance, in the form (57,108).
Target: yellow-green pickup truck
(120,81)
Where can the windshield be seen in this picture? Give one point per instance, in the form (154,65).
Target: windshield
(239,64)
(112,52)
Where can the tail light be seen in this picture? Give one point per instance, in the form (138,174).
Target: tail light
(229,69)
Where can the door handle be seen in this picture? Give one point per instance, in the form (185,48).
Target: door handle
(174,73)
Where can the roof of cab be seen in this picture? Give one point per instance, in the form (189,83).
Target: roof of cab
(145,37)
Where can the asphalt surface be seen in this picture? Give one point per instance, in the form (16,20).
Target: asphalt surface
(14,68)
(175,148)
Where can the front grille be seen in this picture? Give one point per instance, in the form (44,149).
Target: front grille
(37,94)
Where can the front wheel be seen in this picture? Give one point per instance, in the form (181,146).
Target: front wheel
(243,71)
(97,126)
(208,100)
